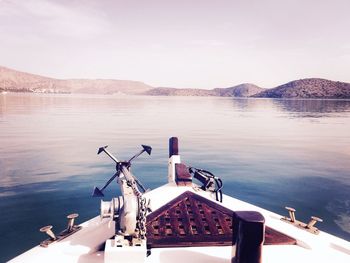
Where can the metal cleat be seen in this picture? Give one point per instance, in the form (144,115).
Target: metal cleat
(291,211)
(313,221)
(71,219)
(70,230)
(48,231)
(308,227)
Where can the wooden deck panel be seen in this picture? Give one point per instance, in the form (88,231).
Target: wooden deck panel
(192,220)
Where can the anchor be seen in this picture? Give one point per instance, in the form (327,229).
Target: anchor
(121,167)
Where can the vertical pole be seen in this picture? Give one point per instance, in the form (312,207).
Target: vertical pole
(173,146)
(174,158)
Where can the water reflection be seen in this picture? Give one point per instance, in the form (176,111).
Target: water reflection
(254,104)
(26,103)
(313,108)
(297,108)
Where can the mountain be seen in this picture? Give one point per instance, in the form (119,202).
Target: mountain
(16,81)
(20,81)
(13,80)
(242,90)
(308,88)
(163,91)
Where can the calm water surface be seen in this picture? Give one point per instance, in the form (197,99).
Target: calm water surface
(271,153)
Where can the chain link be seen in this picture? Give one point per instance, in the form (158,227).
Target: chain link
(143,208)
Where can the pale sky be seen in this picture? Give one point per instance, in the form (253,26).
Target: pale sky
(176,43)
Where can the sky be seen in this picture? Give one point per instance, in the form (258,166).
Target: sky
(183,44)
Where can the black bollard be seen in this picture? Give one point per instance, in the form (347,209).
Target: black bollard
(173,146)
(248,237)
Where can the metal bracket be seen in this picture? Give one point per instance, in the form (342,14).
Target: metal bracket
(65,233)
(301,225)
(308,227)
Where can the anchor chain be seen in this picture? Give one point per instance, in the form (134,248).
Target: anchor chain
(143,209)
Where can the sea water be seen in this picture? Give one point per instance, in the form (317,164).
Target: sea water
(269,152)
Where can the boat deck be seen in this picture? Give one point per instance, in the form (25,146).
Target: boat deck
(299,245)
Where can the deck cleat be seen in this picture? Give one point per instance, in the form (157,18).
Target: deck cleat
(48,231)
(313,221)
(291,211)
(308,227)
(71,219)
(71,229)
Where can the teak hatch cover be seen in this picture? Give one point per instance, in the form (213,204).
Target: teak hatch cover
(192,220)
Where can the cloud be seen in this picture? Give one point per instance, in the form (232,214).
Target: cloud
(48,18)
(236,41)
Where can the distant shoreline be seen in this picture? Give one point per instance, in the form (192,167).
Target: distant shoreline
(94,95)
(310,88)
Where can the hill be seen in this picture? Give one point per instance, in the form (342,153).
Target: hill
(13,80)
(16,81)
(164,91)
(308,88)
(242,90)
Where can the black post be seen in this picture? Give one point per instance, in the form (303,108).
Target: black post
(248,237)
(173,146)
